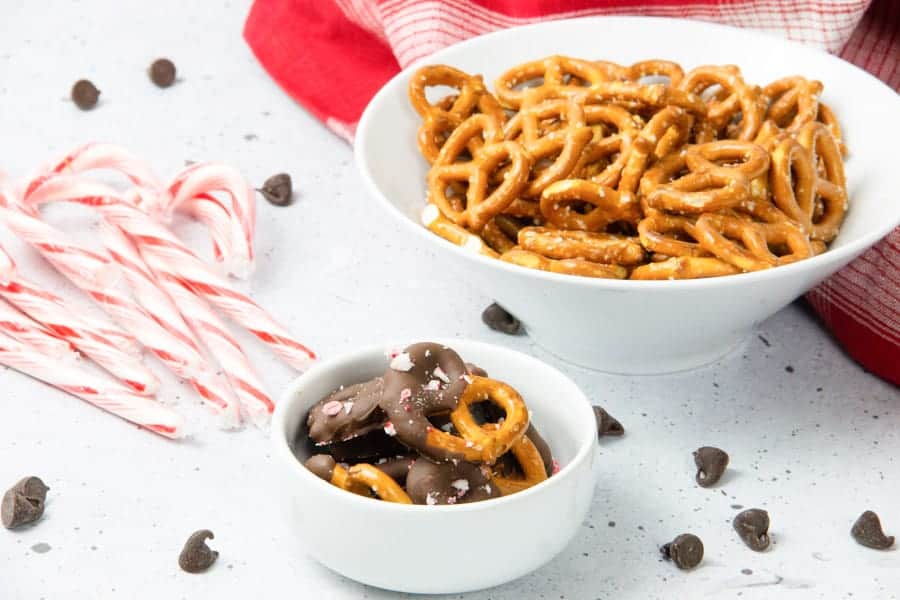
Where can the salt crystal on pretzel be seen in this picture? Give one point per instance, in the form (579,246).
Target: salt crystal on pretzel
(96,390)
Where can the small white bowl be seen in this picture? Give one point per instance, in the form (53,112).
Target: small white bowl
(441,549)
(644,326)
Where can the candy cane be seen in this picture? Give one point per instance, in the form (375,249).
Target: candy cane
(215,335)
(93,389)
(16,324)
(230,225)
(163,252)
(189,363)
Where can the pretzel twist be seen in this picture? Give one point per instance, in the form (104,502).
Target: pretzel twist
(475,443)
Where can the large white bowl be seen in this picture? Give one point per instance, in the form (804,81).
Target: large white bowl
(441,549)
(646,326)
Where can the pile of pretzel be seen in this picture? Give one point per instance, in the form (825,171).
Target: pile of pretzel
(644,171)
(431,430)
(159,294)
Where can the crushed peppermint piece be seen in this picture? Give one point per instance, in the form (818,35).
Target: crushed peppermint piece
(439,373)
(427,353)
(332,408)
(461,485)
(348,406)
(432,386)
(430,499)
(381,461)
(451,500)
(467,377)
(402,362)
(556,467)
(389,429)
(391,353)
(405,394)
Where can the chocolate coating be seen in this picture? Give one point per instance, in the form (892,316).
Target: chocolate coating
(347,413)
(397,468)
(368,448)
(321,465)
(425,379)
(433,483)
(542,447)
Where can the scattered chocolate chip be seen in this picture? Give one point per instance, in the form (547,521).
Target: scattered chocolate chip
(277,189)
(867,531)
(607,424)
(495,317)
(686,551)
(752,525)
(85,94)
(196,556)
(23,503)
(711,464)
(162,72)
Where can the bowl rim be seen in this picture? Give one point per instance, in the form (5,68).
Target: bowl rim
(831,256)
(282,444)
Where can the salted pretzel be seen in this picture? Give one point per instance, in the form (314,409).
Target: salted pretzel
(684,267)
(792,178)
(668,235)
(792,102)
(704,173)
(495,236)
(453,233)
(529,460)
(475,443)
(362,479)
(831,183)
(632,94)
(746,244)
(604,157)
(565,143)
(734,97)
(557,72)
(481,205)
(653,135)
(596,247)
(573,266)
(558,202)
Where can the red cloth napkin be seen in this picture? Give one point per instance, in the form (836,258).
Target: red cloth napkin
(357,45)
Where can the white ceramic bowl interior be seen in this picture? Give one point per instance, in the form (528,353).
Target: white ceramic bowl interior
(441,549)
(645,326)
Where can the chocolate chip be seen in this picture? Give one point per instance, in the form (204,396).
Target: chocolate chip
(196,556)
(686,551)
(607,424)
(162,72)
(495,317)
(277,189)
(752,525)
(867,531)
(711,464)
(23,503)
(85,94)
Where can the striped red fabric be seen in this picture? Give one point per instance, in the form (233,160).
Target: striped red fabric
(357,45)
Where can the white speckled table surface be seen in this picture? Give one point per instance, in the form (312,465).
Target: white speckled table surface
(815,445)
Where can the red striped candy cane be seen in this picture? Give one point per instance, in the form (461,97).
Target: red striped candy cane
(17,325)
(104,394)
(190,363)
(162,251)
